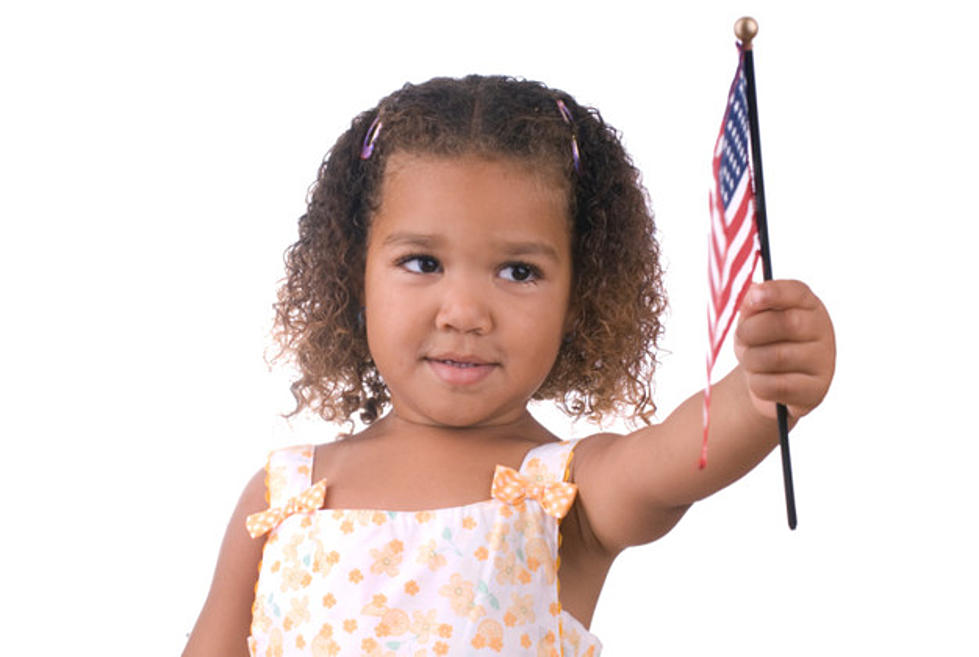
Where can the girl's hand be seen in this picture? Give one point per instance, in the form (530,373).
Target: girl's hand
(785,344)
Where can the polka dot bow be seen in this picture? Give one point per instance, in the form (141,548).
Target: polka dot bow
(511,487)
(309,500)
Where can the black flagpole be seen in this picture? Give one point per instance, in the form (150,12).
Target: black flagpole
(745,29)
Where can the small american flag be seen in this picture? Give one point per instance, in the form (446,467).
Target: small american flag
(734,248)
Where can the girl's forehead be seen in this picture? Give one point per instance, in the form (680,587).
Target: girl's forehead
(440,192)
(538,177)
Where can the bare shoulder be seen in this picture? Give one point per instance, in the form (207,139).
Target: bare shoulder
(254,497)
(585,556)
(610,470)
(224,623)
(576,526)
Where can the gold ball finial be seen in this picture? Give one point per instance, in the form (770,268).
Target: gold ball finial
(745,28)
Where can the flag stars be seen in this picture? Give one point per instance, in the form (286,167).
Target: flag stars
(732,152)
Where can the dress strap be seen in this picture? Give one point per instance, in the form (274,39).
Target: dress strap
(288,473)
(550,461)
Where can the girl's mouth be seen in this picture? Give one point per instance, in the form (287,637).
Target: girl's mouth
(460,372)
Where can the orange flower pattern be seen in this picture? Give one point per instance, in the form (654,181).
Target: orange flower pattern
(387,560)
(469,580)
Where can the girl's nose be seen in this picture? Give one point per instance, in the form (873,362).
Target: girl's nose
(465,308)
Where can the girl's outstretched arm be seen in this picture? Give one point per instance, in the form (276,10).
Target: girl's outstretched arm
(633,488)
(223,626)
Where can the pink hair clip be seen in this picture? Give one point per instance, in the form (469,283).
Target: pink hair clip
(566,115)
(367,149)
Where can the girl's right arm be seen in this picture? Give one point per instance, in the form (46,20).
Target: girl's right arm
(224,623)
(634,488)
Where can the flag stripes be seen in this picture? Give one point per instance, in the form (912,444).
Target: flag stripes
(734,249)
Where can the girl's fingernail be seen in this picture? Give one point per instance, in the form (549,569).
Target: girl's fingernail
(756,295)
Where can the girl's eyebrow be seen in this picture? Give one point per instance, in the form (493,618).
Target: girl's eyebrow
(411,239)
(530,248)
(427,241)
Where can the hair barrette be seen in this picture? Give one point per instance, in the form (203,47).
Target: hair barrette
(367,149)
(566,115)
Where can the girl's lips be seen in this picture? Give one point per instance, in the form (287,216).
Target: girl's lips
(459,373)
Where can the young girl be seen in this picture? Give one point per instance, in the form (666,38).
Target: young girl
(471,245)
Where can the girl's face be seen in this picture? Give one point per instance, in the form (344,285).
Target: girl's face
(467,284)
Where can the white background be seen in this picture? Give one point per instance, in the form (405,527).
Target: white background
(153,163)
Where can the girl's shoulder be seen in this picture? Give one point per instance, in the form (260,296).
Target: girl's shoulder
(591,447)
(294,468)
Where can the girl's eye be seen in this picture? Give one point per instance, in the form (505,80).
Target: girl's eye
(420,264)
(520,272)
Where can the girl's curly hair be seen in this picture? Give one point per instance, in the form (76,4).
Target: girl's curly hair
(607,361)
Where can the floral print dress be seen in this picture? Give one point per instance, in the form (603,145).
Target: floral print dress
(473,580)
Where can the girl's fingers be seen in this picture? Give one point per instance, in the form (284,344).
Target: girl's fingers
(783,357)
(799,392)
(790,325)
(778,295)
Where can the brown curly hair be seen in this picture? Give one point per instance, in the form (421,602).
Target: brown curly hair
(607,361)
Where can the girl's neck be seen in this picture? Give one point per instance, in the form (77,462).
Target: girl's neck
(396,427)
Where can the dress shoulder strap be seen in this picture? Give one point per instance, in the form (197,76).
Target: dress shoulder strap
(288,473)
(550,461)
